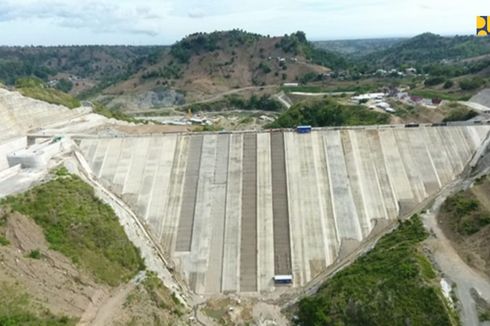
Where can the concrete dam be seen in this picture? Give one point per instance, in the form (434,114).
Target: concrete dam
(232,210)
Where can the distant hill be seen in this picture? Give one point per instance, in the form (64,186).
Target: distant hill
(357,48)
(430,48)
(204,63)
(84,66)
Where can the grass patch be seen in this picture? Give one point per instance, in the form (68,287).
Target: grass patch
(460,114)
(36,89)
(466,216)
(4,241)
(432,93)
(80,226)
(327,112)
(17,309)
(34,254)
(113,114)
(387,286)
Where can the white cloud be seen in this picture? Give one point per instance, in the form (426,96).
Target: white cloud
(164,21)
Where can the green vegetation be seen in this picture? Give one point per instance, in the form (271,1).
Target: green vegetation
(160,295)
(208,42)
(264,68)
(460,114)
(35,88)
(101,64)
(465,214)
(81,227)
(34,254)
(448,84)
(297,44)
(64,85)
(4,241)
(162,307)
(16,309)
(327,113)
(471,83)
(357,48)
(433,93)
(430,48)
(112,114)
(172,71)
(390,285)
(432,81)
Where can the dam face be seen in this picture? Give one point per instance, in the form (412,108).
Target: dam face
(234,210)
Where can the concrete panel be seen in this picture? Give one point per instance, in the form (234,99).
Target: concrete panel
(414,177)
(438,154)
(111,160)
(132,183)
(172,199)
(395,167)
(231,250)
(368,177)
(457,162)
(298,244)
(353,163)
(310,214)
(388,198)
(147,181)
(123,165)
(160,170)
(343,204)
(328,224)
(207,195)
(265,225)
(213,275)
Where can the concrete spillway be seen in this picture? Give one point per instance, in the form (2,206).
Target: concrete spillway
(233,210)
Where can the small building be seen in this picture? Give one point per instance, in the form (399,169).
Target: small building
(290,84)
(411,71)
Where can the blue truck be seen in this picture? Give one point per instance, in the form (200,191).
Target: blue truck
(303,129)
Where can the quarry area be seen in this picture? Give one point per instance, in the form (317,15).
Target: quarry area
(245,213)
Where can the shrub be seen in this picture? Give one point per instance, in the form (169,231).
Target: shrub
(4,241)
(471,84)
(434,81)
(448,84)
(34,254)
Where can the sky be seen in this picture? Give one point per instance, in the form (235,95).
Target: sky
(162,22)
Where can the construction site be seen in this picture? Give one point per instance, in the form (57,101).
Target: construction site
(246,212)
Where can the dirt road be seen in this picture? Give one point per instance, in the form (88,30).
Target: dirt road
(207,100)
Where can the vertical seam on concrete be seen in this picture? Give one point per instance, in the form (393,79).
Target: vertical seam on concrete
(393,192)
(430,159)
